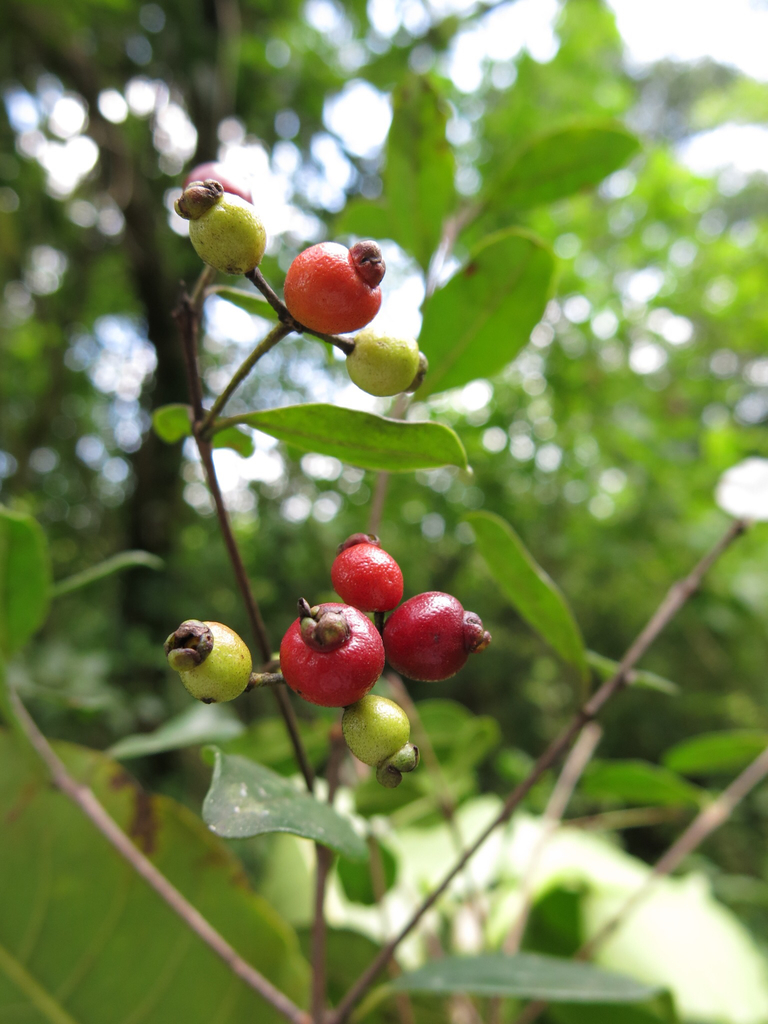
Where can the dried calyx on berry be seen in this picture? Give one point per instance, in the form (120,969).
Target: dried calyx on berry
(390,772)
(366,576)
(212,660)
(322,627)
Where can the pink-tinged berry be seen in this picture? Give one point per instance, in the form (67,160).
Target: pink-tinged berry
(365,576)
(331,655)
(430,637)
(333,290)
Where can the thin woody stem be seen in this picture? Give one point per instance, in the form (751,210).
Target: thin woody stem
(324,859)
(276,335)
(256,277)
(86,800)
(702,826)
(579,757)
(188,319)
(676,597)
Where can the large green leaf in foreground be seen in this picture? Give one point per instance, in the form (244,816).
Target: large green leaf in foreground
(360,438)
(526,976)
(25,579)
(247,799)
(483,316)
(83,940)
(527,587)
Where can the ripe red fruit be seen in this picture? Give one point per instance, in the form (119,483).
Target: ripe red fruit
(430,637)
(216,171)
(331,655)
(333,290)
(365,576)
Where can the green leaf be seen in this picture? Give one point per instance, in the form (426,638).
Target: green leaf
(247,799)
(360,438)
(25,579)
(198,724)
(525,976)
(366,219)
(527,587)
(607,667)
(123,560)
(267,741)
(460,738)
(80,931)
(419,192)
(171,423)
(355,876)
(420,167)
(638,782)
(235,439)
(726,751)
(661,1010)
(560,162)
(252,302)
(479,321)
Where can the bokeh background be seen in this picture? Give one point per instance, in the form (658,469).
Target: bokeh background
(602,443)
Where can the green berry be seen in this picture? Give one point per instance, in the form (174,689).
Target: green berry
(225,230)
(375,728)
(212,660)
(383,364)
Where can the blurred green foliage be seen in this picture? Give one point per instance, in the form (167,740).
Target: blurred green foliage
(601,443)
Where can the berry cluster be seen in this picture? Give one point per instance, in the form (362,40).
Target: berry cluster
(328,289)
(333,654)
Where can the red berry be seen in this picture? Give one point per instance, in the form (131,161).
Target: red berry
(331,656)
(430,637)
(203,172)
(333,290)
(365,576)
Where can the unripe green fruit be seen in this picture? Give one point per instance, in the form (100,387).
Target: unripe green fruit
(382,364)
(225,230)
(225,665)
(375,728)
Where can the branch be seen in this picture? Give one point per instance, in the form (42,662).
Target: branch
(256,277)
(578,759)
(275,335)
(702,826)
(187,316)
(86,800)
(676,597)
(323,860)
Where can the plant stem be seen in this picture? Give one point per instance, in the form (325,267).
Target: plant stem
(631,817)
(188,319)
(86,800)
(577,760)
(276,335)
(379,886)
(324,859)
(257,278)
(381,487)
(702,826)
(674,600)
